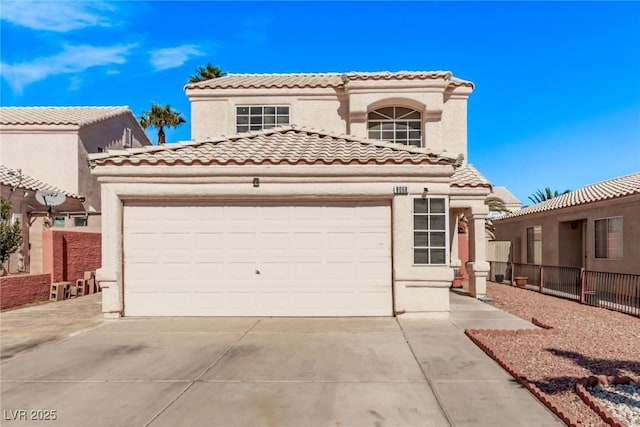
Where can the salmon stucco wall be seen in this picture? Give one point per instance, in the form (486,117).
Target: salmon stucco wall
(68,254)
(23,289)
(463,253)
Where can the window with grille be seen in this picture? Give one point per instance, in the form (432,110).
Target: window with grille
(608,238)
(258,117)
(430,231)
(396,124)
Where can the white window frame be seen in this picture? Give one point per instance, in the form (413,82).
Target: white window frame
(394,120)
(595,238)
(428,230)
(251,115)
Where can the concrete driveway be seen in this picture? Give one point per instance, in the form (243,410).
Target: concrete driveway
(271,372)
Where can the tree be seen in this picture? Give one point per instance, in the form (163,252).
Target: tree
(207,72)
(540,196)
(10,234)
(159,117)
(495,204)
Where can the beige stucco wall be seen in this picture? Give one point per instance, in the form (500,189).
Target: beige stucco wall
(558,247)
(47,154)
(342,110)
(418,290)
(111,134)
(216,115)
(57,154)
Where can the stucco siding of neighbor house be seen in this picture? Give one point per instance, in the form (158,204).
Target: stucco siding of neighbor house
(35,151)
(568,235)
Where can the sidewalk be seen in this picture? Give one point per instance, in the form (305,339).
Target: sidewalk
(471,388)
(27,328)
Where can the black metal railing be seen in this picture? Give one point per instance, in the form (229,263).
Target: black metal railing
(619,292)
(614,291)
(561,281)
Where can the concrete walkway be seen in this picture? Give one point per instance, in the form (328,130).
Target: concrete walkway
(271,371)
(28,328)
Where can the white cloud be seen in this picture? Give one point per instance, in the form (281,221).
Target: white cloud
(73,59)
(172,57)
(58,16)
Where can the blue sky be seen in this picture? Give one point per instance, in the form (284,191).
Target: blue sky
(557,98)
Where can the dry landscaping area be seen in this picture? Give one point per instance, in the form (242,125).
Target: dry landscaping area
(585,341)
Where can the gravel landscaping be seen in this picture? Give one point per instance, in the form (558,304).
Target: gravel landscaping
(587,341)
(622,401)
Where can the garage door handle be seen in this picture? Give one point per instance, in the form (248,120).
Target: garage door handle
(257,271)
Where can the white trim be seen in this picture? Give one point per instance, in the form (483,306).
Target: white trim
(262,115)
(446,231)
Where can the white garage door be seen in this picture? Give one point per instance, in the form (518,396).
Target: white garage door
(305,259)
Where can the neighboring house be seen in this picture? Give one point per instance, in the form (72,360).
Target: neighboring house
(20,190)
(51,143)
(290,220)
(496,251)
(596,227)
(511,202)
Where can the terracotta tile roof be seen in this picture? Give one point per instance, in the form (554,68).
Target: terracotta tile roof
(505,195)
(284,145)
(468,176)
(315,80)
(78,116)
(606,190)
(13,178)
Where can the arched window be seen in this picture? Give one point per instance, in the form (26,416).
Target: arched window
(396,124)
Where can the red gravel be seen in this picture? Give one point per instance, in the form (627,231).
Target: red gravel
(589,341)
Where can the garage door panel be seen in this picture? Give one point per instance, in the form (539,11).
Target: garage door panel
(307,240)
(313,259)
(208,271)
(207,241)
(276,240)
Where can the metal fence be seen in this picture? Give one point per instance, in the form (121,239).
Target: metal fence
(614,291)
(620,292)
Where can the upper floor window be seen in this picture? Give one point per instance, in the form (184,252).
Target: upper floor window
(258,117)
(396,124)
(609,238)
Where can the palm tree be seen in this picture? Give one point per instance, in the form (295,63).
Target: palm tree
(207,72)
(540,196)
(159,117)
(496,204)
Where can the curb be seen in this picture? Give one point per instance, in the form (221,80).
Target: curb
(548,401)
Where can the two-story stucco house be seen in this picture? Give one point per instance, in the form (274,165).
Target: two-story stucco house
(45,148)
(51,143)
(299,195)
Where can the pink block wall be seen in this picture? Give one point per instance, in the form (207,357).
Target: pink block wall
(68,254)
(24,289)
